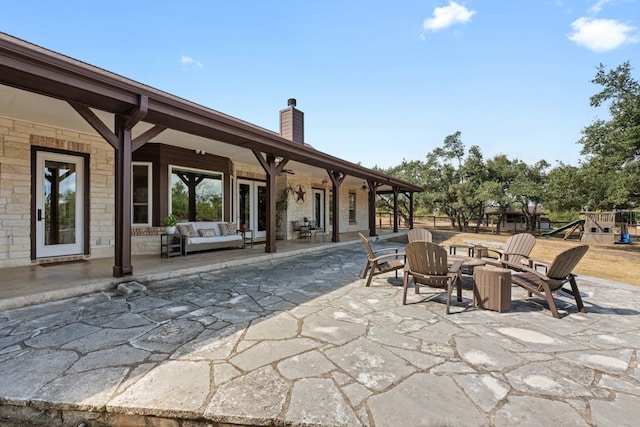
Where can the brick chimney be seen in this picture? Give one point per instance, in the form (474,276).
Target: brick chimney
(292,122)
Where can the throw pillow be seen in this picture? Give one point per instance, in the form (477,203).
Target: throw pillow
(187,230)
(224,228)
(207,232)
(227,228)
(233,228)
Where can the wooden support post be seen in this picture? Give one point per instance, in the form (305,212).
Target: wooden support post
(372,207)
(272,168)
(122,256)
(336,180)
(395,209)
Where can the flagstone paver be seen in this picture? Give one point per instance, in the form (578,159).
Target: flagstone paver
(302,342)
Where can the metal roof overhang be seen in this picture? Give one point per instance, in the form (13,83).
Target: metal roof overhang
(35,69)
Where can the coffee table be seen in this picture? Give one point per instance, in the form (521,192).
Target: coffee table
(470,248)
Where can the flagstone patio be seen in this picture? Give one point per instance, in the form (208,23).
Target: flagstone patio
(301,341)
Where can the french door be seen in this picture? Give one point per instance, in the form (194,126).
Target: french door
(59,204)
(318,208)
(252,206)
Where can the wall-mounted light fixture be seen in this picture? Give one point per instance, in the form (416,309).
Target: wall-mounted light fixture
(200,152)
(364,186)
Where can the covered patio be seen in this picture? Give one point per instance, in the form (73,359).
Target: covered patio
(60,111)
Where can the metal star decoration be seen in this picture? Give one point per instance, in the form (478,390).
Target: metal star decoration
(299,194)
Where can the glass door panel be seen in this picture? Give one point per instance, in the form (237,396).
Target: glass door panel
(59,204)
(252,206)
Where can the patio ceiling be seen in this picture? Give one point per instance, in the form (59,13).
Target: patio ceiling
(39,83)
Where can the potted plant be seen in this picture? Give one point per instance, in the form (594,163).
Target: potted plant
(305,220)
(170,222)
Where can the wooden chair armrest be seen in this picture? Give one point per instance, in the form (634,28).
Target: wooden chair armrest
(523,269)
(390,256)
(493,262)
(500,252)
(456,266)
(535,263)
(383,250)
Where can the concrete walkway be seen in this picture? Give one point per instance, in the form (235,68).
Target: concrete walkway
(301,342)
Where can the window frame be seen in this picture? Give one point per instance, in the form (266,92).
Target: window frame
(149,222)
(353,218)
(211,173)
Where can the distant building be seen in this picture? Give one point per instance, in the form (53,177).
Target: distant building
(514,219)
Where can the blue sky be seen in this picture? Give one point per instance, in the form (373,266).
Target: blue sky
(378,81)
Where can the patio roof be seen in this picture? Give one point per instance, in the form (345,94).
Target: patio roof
(34,69)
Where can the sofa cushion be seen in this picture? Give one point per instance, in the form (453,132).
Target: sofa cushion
(207,232)
(187,230)
(218,239)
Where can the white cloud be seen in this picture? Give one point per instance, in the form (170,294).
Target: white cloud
(601,35)
(447,16)
(599,6)
(190,62)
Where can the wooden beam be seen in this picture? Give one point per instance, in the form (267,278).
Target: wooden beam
(137,113)
(147,136)
(97,124)
(261,160)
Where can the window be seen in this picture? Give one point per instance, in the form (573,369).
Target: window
(352,207)
(141,193)
(196,195)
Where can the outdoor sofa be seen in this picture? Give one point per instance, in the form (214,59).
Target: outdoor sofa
(207,235)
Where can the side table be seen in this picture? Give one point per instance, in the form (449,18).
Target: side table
(305,232)
(245,238)
(170,245)
(492,288)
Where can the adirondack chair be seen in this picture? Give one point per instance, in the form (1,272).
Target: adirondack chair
(381,261)
(517,249)
(419,235)
(558,273)
(427,265)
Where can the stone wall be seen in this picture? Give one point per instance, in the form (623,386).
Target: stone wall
(16,139)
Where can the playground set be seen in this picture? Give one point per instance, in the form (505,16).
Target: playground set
(600,227)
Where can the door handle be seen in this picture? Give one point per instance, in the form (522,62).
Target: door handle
(39,214)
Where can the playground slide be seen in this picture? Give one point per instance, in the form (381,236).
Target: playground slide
(563,228)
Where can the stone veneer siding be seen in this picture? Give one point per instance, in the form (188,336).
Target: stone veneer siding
(297,211)
(16,139)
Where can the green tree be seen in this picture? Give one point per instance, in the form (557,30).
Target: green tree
(501,172)
(566,190)
(180,201)
(529,188)
(454,181)
(411,171)
(612,146)
(470,197)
